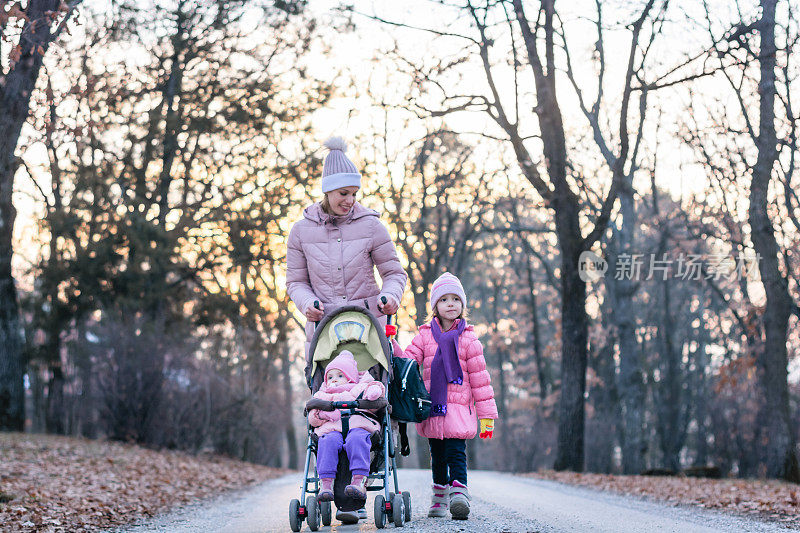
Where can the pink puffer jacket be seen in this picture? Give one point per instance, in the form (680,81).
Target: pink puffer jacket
(332,259)
(466,403)
(324,426)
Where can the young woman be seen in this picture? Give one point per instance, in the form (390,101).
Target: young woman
(334,249)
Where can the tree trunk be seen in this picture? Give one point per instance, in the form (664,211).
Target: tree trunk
(701,397)
(671,400)
(36,409)
(291,437)
(500,393)
(544,380)
(15,96)
(574,336)
(601,432)
(566,208)
(55,420)
(56,414)
(630,381)
(779,440)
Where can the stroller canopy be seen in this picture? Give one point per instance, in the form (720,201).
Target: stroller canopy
(353,329)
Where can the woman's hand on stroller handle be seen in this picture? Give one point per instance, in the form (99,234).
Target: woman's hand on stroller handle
(387,305)
(315,312)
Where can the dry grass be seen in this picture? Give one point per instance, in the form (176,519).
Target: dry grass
(50,483)
(774,500)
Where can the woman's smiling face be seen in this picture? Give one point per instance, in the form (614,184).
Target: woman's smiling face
(342,200)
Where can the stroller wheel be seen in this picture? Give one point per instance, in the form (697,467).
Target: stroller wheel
(312,507)
(380,511)
(294,515)
(325,508)
(398,514)
(407,504)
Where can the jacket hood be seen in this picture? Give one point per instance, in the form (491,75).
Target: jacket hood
(315,213)
(347,364)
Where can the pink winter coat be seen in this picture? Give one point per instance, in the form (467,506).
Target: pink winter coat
(323,426)
(466,403)
(332,259)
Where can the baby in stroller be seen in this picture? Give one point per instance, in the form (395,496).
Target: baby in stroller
(348,370)
(343,382)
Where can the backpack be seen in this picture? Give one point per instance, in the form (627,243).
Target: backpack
(410,401)
(408,397)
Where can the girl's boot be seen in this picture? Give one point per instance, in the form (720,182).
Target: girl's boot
(357,487)
(459,501)
(326,490)
(439,500)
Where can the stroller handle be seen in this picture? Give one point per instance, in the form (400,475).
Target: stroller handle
(327,405)
(316,306)
(391,329)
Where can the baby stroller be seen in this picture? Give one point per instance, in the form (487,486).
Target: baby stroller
(355,329)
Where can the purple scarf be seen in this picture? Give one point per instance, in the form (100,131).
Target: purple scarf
(445,367)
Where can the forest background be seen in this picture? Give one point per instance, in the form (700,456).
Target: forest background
(156,153)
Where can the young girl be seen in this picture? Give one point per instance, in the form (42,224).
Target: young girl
(454,370)
(342,383)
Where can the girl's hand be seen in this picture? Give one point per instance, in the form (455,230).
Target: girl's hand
(390,307)
(314,314)
(487,427)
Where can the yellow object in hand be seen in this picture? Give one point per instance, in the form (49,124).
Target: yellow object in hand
(487,427)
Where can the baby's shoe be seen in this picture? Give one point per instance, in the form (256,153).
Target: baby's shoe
(357,487)
(326,490)
(459,501)
(439,500)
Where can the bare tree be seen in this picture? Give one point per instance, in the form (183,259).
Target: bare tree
(171,192)
(438,209)
(756,55)
(530,44)
(33,28)
(781,454)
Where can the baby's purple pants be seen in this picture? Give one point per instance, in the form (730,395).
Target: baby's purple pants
(356,446)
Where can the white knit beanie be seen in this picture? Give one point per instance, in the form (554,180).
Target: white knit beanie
(447,284)
(338,171)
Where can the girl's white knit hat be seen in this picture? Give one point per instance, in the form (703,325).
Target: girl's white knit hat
(338,171)
(447,284)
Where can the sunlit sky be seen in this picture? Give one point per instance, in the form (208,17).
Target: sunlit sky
(676,172)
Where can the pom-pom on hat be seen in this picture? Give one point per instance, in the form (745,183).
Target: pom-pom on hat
(346,363)
(338,171)
(447,284)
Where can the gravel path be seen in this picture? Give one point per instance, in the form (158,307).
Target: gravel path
(501,503)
